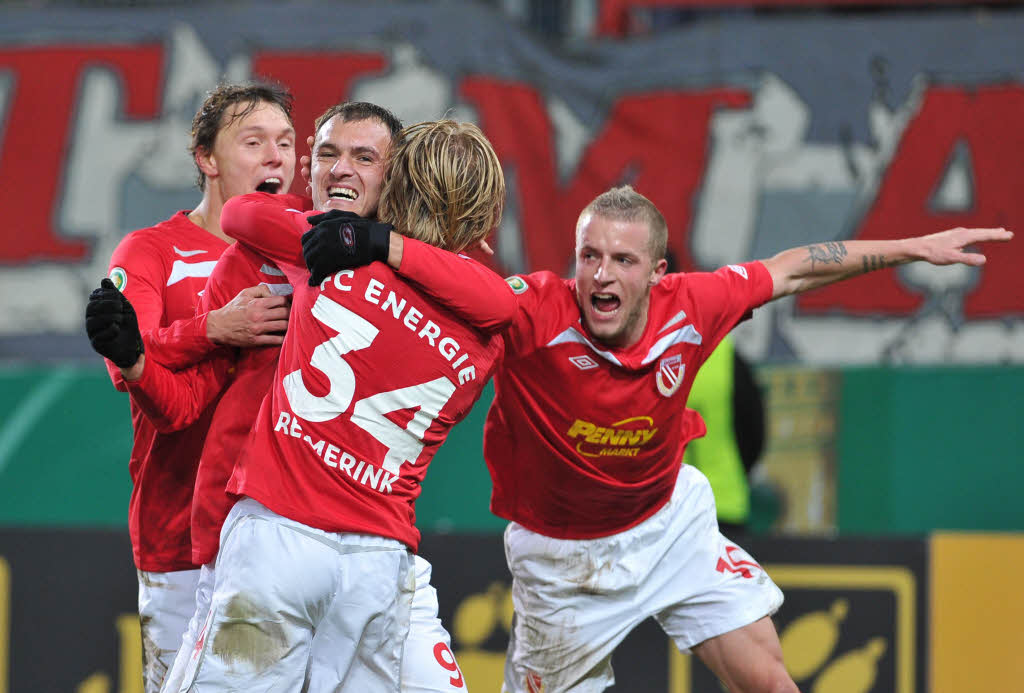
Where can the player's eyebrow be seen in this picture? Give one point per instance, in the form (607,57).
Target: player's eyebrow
(365,149)
(259,130)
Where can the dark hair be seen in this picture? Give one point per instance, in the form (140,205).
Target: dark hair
(351,111)
(210,118)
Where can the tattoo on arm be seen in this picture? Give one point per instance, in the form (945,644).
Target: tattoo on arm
(831,253)
(875,262)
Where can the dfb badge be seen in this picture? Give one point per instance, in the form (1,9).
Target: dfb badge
(670,375)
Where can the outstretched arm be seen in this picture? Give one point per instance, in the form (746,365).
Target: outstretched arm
(801,269)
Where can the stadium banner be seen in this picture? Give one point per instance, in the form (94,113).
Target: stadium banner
(855,616)
(747,145)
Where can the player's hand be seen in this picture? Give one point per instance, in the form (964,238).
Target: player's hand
(255,317)
(948,247)
(305,164)
(112,326)
(342,240)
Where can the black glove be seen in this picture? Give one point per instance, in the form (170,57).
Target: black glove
(112,326)
(343,240)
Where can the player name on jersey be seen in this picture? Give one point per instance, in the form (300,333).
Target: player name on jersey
(337,458)
(410,316)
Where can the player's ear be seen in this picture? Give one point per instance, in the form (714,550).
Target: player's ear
(206,161)
(657,272)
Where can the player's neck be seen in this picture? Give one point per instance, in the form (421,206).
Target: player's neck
(206,215)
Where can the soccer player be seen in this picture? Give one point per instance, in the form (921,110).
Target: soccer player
(585,436)
(242,141)
(314,577)
(610,529)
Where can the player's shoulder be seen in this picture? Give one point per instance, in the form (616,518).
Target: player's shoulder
(176,231)
(153,242)
(677,282)
(539,284)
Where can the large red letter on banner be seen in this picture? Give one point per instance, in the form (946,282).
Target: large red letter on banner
(986,120)
(34,139)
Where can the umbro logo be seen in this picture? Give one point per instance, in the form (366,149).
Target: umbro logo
(584,362)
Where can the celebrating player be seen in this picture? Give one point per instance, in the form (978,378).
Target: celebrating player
(242,141)
(585,436)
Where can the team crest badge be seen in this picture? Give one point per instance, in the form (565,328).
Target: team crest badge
(119,277)
(348,237)
(517,283)
(670,375)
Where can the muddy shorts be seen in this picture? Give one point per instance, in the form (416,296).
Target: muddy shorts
(166,602)
(295,608)
(576,600)
(428,664)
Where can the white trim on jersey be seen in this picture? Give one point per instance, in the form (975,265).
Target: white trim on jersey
(572,335)
(183,270)
(678,318)
(280,289)
(188,253)
(272,271)
(687,334)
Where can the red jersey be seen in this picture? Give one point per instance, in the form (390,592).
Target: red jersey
(162,270)
(585,440)
(372,375)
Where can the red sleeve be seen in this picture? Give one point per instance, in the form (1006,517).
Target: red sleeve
(175,400)
(269,224)
(724,298)
(177,345)
(180,344)
(543,301)
(462,284)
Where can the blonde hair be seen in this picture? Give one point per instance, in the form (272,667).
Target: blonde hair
(626,204)
(443,185)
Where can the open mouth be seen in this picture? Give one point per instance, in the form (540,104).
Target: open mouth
(270,185)
(605,303)
(337,192)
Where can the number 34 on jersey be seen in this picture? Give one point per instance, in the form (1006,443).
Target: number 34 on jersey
(404,444)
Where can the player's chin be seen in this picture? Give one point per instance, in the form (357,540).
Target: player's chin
(601,327)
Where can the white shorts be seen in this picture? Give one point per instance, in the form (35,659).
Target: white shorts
(576,600)
(295,608)
(204,592)
(166,602)
(428,664)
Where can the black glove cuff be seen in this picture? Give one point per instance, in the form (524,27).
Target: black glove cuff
(380,242)
(129,358)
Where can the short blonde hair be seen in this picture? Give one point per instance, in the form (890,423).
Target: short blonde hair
(444,185)
(626,204)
